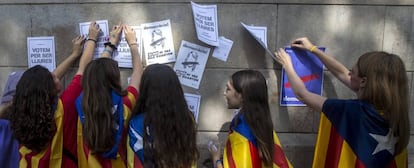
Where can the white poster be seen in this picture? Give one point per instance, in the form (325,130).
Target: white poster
(123,54)
(260,34)
(102,37)
(158,42)
(41,51)
(205,20)
(223,50)
(190,64)
(193,102)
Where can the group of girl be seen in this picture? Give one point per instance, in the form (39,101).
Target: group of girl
(96,123)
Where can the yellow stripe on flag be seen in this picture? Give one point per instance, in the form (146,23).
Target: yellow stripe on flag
(348,157)
(240,151)
(401,159)
(322,142)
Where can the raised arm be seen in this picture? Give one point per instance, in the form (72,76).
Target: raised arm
(130,36)
(62,68)
(87,54)
(112,44)
(313,100)
(334,66)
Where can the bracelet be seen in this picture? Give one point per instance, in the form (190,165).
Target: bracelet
(89,39)
(218,162)
(109,51)
(110,45)
(313,48)
(133,44)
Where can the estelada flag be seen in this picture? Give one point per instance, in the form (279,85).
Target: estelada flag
(241,149)
(352,134)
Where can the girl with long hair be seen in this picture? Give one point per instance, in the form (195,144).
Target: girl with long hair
(38,116)
(374,128)
(252,142)
(162,131)
(104,108)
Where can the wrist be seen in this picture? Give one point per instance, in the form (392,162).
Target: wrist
(218,162)
(111,45)
(313,48)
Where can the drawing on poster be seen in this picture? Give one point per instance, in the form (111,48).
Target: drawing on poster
(157,39)
(191,60)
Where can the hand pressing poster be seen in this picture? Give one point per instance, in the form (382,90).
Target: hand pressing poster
(260,34)
(102,37)
(205,20)
(158,42)
(309,68)
(123,54)
(190,64)
(193,102)
(41,51)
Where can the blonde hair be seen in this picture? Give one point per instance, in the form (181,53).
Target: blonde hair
(387,90)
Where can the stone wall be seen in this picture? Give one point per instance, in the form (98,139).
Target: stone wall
(347,28)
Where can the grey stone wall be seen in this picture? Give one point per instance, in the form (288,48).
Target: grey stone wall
(347,28)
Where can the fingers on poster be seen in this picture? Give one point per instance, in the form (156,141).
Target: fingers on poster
(102,37)
(41,51)
(123,54)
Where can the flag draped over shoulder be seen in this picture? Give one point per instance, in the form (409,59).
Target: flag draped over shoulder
(241,149)
(116,157)
(352,134)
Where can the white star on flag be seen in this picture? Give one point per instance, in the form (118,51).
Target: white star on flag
(386,142)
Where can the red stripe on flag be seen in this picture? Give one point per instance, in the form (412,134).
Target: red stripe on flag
(137,162)
(279,157)
(254,154)
(359,164)
(28,158)
(304,79)
(334,149)
(230,155)
(392,164)
(44,161)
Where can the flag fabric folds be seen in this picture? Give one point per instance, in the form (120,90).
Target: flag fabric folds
(241,148)
(353,134)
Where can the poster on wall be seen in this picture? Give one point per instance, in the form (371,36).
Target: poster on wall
(102,37)
(309,69)
(190,64)
(193,102)
(41,51)
(205,20)
(158,42)
(259,33)
(223,50)
(123,54)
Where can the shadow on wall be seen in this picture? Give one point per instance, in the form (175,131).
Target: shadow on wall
(222,138)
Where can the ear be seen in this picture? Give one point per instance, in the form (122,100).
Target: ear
(363,82)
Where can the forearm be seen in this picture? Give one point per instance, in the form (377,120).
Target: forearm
(334,66)
(87,56)
(62,68)
(137,67)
